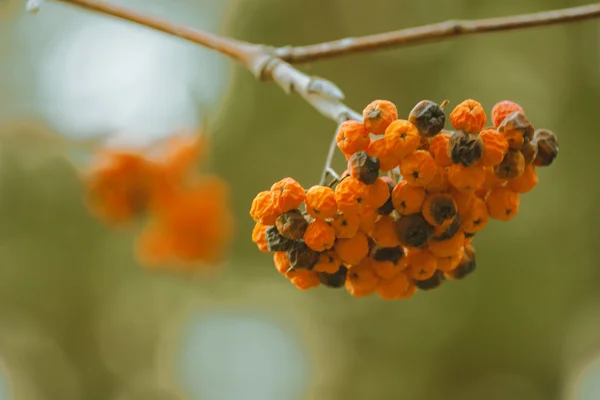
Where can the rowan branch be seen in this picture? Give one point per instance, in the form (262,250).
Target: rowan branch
(433,32)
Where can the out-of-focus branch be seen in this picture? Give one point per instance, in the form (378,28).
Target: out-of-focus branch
(433,32)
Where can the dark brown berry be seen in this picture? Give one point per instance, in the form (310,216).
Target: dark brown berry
(277,242)
(512,165)
(388,206)
(547,145)
(301,256)
(464,148)
(435,281)
(364,167)
(516,129)
(335,280)
(393,254)
(291,224)
(439,208)
(529,151)
(413,230)
(467,264)
(451,230)
(428,117)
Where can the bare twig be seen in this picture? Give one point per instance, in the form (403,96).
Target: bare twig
(433,32)
(328,169)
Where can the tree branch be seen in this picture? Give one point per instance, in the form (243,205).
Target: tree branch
(433,32)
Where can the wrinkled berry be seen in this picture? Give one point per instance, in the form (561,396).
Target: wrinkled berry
(364,167)
(291,224)
(451,230)
(464,148)
(335,280)
(428,117)
(276,241)
(301,256)
(435,281)
(413,230)
(512,165)
(547,145)
(393,254)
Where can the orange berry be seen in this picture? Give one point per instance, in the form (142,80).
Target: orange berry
(447,230)
(392,288)
(476,218)
(418,168)
(468,116)
(352,137)
(346,224)
(319,235)
(512,166)
(262,209)
(526,182)
(291,224)
(502,203)
(413,230)
(334,280)
(377,193)
(349,195)
(439,209)
(408,199)
(384,234)
(495,146)
(361,279)
(378,115)
(328,262)
(352,250)
(491,179)
(466,266)
(466,178)
(367,220)
(438,148)
(503,109)
(428,117)
(304,279)
(387,269)
(387,161)
(431,283)
(182,151)
(448,247)
(287,195)
(464,200)
(410,292)
(515,128)
(421,264)
(281,261)
(259,236)
(402,138)
(447,264)
(320,202)
(547,145)
(439,182)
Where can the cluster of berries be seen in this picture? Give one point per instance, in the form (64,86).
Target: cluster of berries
(371,233)
(188,220)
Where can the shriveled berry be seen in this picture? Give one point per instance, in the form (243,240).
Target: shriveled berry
(319,235)
(466,266)
(464,148)
(446,232)
(352,136)
(288,194)
(291,224)
(262,209)
(281,262)
(494,147)
(439,209)
(335,280)
(378,115)
(512,166)
(393,254)
(320,202)
(503,109)
(418,168)
(428,117)
(468,116)
(547,145)
(413,230)
(388,206)
(529,151)
(301,256)
(431,283)
(438,148)
(402,138)
(277,242)
(364,167)
(259,237)
(515,129)
(502,203)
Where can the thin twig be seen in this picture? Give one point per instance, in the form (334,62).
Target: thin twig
(328,169)
(433,32)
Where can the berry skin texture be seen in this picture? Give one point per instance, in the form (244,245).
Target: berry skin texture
(287,195)
(516,128)
(384,233)
(259,237)
(438,147)
(304,279)
(364,167)
(378,115)
(465,149)
(328,262)
(448,247)
(477,217)
(466,178)
(281,262)
(352,137)
(547,145)
(503,109)
(302,257)
(414,231)
(320,202)
(346,224)
(439,209)
(351,251)
(418,169)
(263,210)
(402,138)
(361,280)
(502,203)
(421,264)
(469,116)
(428,117)
(387,161)
(408,199)
(392,288)
(349,195)
(276,241)
(291,224)
(319,235)
(448,230)
(512,166)
(495,146)
(526,182)
(334,280)
(529,151)
(377,194)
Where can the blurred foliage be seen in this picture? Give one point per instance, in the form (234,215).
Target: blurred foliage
(79,320)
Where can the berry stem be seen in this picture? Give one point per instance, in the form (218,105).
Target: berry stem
(433,32)
(328,169)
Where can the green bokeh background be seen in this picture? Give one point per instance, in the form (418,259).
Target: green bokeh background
(80,320)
